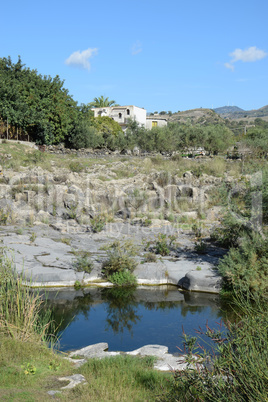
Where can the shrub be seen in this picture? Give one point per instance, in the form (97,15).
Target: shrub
(83,263)
(150,257)
(200,247)
(230,231)
(162,244)
(235,369)
(97,223)
(4,215)
(120,258)
(246,267)
(76,166)
(124,278)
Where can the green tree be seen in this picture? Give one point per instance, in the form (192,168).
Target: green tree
(102,102)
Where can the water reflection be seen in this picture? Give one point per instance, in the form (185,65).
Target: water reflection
(130,318)
(122,309)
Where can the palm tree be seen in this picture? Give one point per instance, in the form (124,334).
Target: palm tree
(102,102)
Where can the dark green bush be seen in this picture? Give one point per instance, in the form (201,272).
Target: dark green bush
(246,268)
(120,258)
(124,278)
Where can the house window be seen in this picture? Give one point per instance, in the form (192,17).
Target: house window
(128,112)
(154,123)
(120,115)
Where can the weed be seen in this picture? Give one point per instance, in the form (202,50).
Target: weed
(198,268)
(200,247)
(162,244)
(77,285)
(150,257)
(97,223)
(124,278)
(20,308)
(29,369)
(232,369)
(83,263)
(196,228)
(72,211)
(65,240)
(76,166)
(32,237)
(4,215)
(120,258)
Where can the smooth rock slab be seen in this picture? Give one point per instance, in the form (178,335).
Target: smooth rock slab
(204,280)
(165,361)
(75,380)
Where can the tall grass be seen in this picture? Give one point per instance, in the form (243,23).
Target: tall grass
(237,367)
(21,315)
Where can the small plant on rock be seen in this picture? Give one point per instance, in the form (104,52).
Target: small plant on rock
(124,278)
(97,223)
(163,244)
(83,263)
(200,247)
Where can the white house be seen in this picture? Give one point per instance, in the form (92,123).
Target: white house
(155,121)
(122,114)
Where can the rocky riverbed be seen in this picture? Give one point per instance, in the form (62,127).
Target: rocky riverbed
(47,217)
(46,258)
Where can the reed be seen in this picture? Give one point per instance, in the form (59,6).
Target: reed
(21,313)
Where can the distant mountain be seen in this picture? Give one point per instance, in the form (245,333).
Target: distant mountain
(228,109)
(236,113)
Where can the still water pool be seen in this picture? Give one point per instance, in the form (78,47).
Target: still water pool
(127,319)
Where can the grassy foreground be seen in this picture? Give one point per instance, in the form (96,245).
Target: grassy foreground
(29,368)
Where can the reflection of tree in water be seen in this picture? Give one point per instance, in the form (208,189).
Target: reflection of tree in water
(185,309)
(65,312)
(121,309)
(162,305)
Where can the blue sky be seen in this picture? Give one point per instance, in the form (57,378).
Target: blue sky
(160,55)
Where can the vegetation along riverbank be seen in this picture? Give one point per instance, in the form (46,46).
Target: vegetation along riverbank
(99,206)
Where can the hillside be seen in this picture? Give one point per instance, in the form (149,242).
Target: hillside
(197,116)
(235,113)
(228,109)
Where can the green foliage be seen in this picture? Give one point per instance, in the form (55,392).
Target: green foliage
(28,369)
(98,223)
(4,215)
(76,166)
(83,263)
(102,102)
(200,247)
(32,237)
(257,140)
(246,268)
(119,258)
(38,105)
(230,231)
(150,257)
(162,244)
(236,369)
(20,308)
(124,278)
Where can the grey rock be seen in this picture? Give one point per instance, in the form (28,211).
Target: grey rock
(74,379)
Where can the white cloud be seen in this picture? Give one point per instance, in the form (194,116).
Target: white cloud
(136,48)
(229,65)
(247,55)
(81,59)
